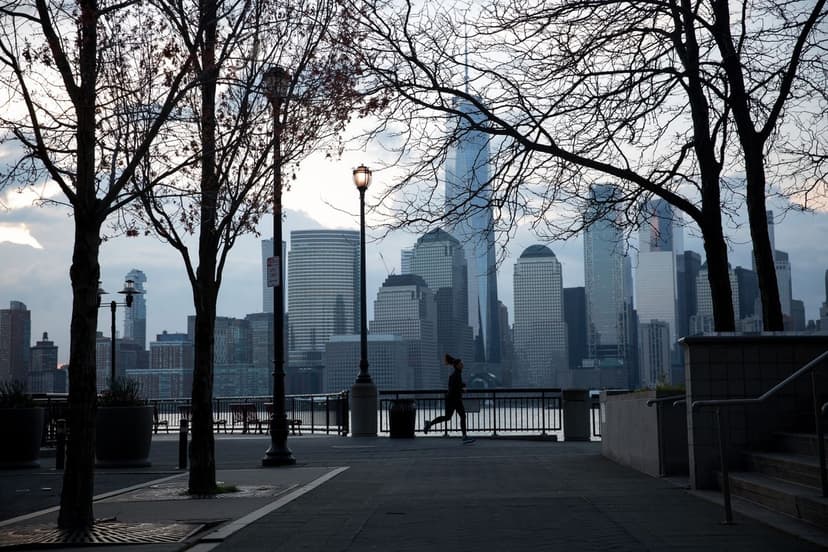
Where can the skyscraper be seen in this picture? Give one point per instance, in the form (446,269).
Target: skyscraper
(135,317)
(405,307)
(438,259)
(703,322)
(576,325)
(608,283)
(43,367)
(323,294)
(687,271)
(654,350)
(468,193)
(15,340)
(655,277)
(540,326)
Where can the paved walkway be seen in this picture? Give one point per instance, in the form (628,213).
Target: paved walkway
(431,494)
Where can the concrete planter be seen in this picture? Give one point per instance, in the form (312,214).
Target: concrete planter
(21,432)
(650,439)
(123,436)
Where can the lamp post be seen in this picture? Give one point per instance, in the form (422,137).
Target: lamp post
(276,82)
(129,291)
(363,392)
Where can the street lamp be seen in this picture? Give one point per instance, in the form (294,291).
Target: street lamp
(129,291)
(363,392)
(276,83)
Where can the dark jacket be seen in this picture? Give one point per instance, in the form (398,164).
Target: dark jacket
(455,386)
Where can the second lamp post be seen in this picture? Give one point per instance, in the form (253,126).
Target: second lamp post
(276,83)
(363,392)
(129,291)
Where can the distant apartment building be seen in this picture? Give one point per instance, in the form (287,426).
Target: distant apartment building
(703,321)
(576,325)
(540,326)
(15,341)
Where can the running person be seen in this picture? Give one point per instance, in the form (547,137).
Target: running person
(454,398)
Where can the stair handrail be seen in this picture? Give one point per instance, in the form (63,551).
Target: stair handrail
(660,402)
(674,398)
(718,404)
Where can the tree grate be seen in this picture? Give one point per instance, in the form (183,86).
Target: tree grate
(101,533)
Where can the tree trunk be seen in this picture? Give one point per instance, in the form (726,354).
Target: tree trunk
(202,454)
(762,248)
(202,448)
(78,477)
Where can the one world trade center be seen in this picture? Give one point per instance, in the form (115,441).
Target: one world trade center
(467,204)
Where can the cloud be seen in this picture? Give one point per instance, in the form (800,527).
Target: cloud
(19,234)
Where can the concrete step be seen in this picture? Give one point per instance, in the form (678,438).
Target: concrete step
(798,443)
(797,468)
(802,502)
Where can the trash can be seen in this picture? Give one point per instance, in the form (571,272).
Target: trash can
(401,418)
(576,405)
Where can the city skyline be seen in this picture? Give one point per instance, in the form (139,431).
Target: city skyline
(41,278)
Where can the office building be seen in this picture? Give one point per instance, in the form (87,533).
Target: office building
(438,258)
(749,302)
(170,372)
(43,370)
(323,295)
(406,257)
(655,276)
(540,326)
(15,341)
(405,307)
(135,317)
(703,321)
(654,350)
(688,264)
(611,330)
(576,325)
(467,197)
(387,358)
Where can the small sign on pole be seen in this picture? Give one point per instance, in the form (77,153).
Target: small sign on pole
(273,271)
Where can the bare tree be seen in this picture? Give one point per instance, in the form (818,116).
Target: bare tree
(217,180)
(71,77)
(570,93)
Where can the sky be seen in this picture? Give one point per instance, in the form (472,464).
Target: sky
(36,250)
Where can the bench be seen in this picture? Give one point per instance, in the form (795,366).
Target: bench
(295,424)
(185,410)
(157,421)
(246,415)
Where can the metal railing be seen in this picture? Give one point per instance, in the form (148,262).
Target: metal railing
(659,404)
(720,404)
(515,411)
(313,413)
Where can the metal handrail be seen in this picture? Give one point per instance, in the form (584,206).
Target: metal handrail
(651,402)
(719,403)
(659,401)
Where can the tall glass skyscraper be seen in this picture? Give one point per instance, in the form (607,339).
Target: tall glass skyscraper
(467,201)
(135,317)
(15,340)
(540,326)
(608,282)
(323,291)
